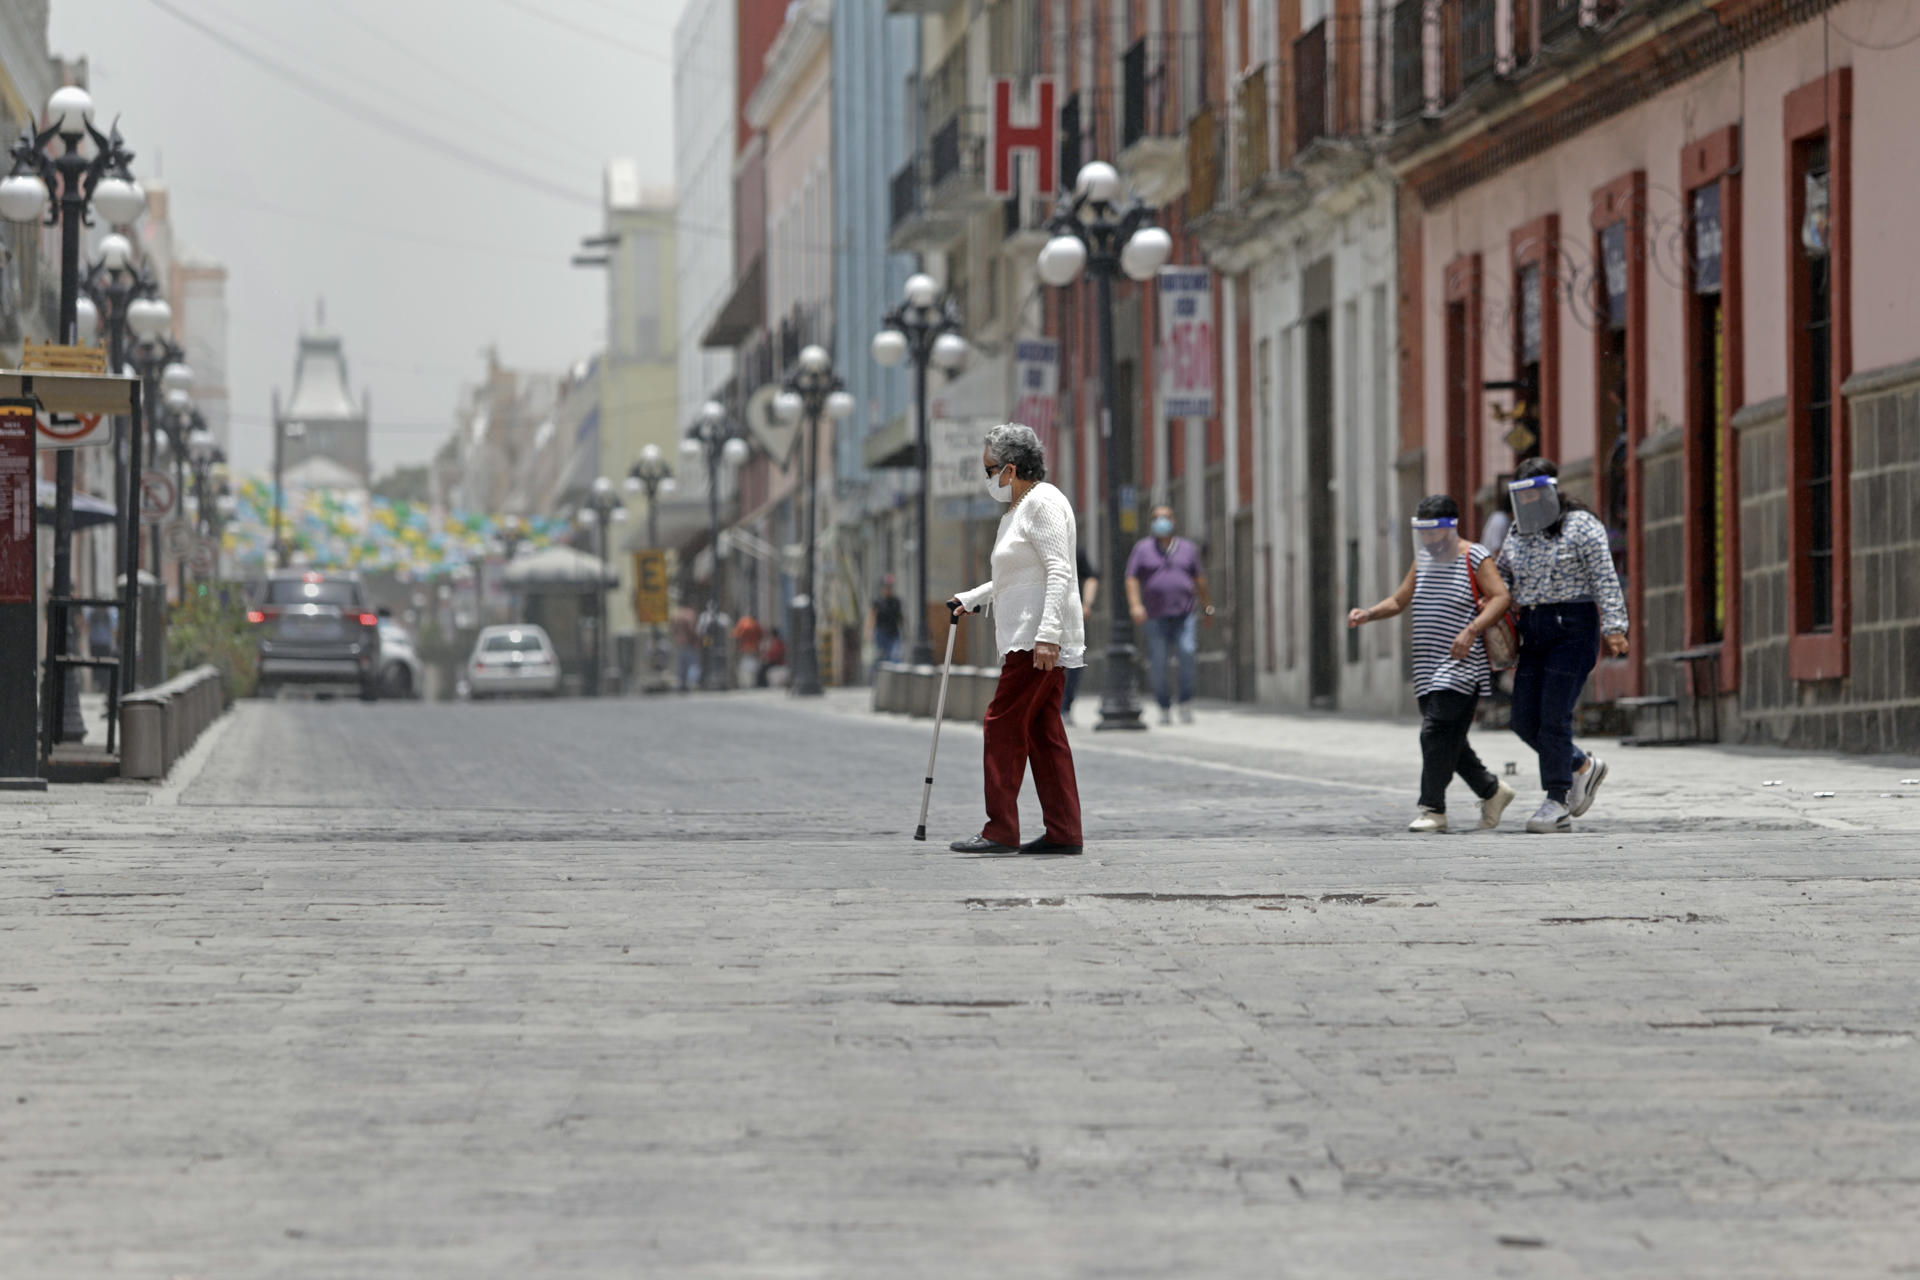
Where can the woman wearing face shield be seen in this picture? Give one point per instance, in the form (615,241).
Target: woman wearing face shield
(1450,670)
(1039,628)
(1568,597)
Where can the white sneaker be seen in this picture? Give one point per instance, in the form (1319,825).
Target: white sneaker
(1550,816)
(1493,806)
(1585,784)
(1186,713)
(1428,823)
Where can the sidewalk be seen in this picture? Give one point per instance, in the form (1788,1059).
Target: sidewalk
(1663,786)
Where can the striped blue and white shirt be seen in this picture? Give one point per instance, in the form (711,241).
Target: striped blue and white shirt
(1442,605)
(1577,565)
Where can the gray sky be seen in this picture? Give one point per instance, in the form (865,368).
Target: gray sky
(424,258)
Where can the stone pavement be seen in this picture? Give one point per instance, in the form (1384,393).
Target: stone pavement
(658,987)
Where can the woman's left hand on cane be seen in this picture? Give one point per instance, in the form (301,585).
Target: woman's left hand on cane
(1045,656)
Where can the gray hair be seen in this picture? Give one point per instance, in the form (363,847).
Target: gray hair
(1016,443)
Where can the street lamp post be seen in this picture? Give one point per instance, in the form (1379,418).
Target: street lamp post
(651,475)
(719,439)
(25,194)
(926,327)
(1097,229)
(811,389)
(179,421)
(603,510)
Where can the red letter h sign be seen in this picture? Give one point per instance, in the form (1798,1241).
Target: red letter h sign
(1042,137)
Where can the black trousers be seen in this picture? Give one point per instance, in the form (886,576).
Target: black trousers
(1445,717)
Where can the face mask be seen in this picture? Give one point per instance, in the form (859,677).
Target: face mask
(997,491)
(1162,527)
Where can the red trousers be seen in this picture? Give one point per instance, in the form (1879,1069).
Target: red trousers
(1023,724)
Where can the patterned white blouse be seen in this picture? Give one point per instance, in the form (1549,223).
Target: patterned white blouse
(1034,593)
(1577,565)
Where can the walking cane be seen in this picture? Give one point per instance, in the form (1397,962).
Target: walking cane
(939,713)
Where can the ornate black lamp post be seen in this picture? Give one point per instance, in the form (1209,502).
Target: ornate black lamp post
(811,388)
(652,476)
(208,460)
(719,439)
(602,511)
(104,180)
(926,327)
(1099,229)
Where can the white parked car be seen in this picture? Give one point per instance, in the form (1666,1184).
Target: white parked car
(399,664)
(513,659)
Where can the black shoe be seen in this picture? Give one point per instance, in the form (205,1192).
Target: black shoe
(1044,845)
(980,844)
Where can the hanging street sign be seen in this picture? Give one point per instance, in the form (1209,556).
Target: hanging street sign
(177,539)
(74,431)
(1036,387)
(200,558)
(159,497)
(1186,341)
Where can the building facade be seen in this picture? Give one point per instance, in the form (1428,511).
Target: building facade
(1660,244)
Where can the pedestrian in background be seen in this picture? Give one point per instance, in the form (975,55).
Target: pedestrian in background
(746,647)
(1089,592)
(885,623)
(1450,669)
(684,630)
(1167,595)
(1568,597)
(1040,630)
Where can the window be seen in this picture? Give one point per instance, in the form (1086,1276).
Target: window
(1710,177)
(1619,303)
(1817,118)
(1533,428)
(1460,447)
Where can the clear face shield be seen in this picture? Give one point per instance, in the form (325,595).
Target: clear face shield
(1436,542)
(1536,503)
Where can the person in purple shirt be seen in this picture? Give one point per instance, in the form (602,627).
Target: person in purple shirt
(1167,595)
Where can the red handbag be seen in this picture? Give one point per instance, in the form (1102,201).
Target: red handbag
(1502,639)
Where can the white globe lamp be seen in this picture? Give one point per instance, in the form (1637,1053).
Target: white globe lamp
(949,350)
(889,347)
(70,109)
(23,197)
(787,406)
(1098,182)
(148,318)
(840,406)
(1061,259)
(921,290)
(176,377)
(119,200)
(736,451)
(1146,252)
(814,359)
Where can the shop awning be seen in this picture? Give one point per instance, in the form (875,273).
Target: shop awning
(745,312)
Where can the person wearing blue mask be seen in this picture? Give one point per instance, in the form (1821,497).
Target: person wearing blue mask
(1167,595)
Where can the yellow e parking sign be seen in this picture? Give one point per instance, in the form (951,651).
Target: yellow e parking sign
(650,587)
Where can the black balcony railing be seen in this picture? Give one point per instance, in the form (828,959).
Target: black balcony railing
(944,151)
(1310,87)
(1409,60)
(1477,47)
(1558,17)
(906,191)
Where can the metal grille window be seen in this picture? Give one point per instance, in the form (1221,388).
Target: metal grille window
(1477,42)
(1409,60)
(1818,322)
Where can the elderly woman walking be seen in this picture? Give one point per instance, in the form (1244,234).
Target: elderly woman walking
(1040,630)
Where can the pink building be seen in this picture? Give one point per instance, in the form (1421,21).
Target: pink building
(1666,246)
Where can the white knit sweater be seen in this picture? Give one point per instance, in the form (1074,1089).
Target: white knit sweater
(1033,595)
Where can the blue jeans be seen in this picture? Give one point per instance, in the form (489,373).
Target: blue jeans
(885,649)
(1181,633)
(1559,644)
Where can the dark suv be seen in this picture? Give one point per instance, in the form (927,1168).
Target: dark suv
(316,628)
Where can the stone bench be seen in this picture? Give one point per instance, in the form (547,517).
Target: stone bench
(900,688)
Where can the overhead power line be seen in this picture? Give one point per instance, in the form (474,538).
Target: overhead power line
(381,120)
(581,29)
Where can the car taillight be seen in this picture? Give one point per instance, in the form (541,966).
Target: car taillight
(369,619)
(254,615)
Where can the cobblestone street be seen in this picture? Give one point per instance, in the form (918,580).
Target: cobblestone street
(661,987)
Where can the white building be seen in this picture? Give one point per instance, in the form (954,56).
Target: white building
(704,136)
